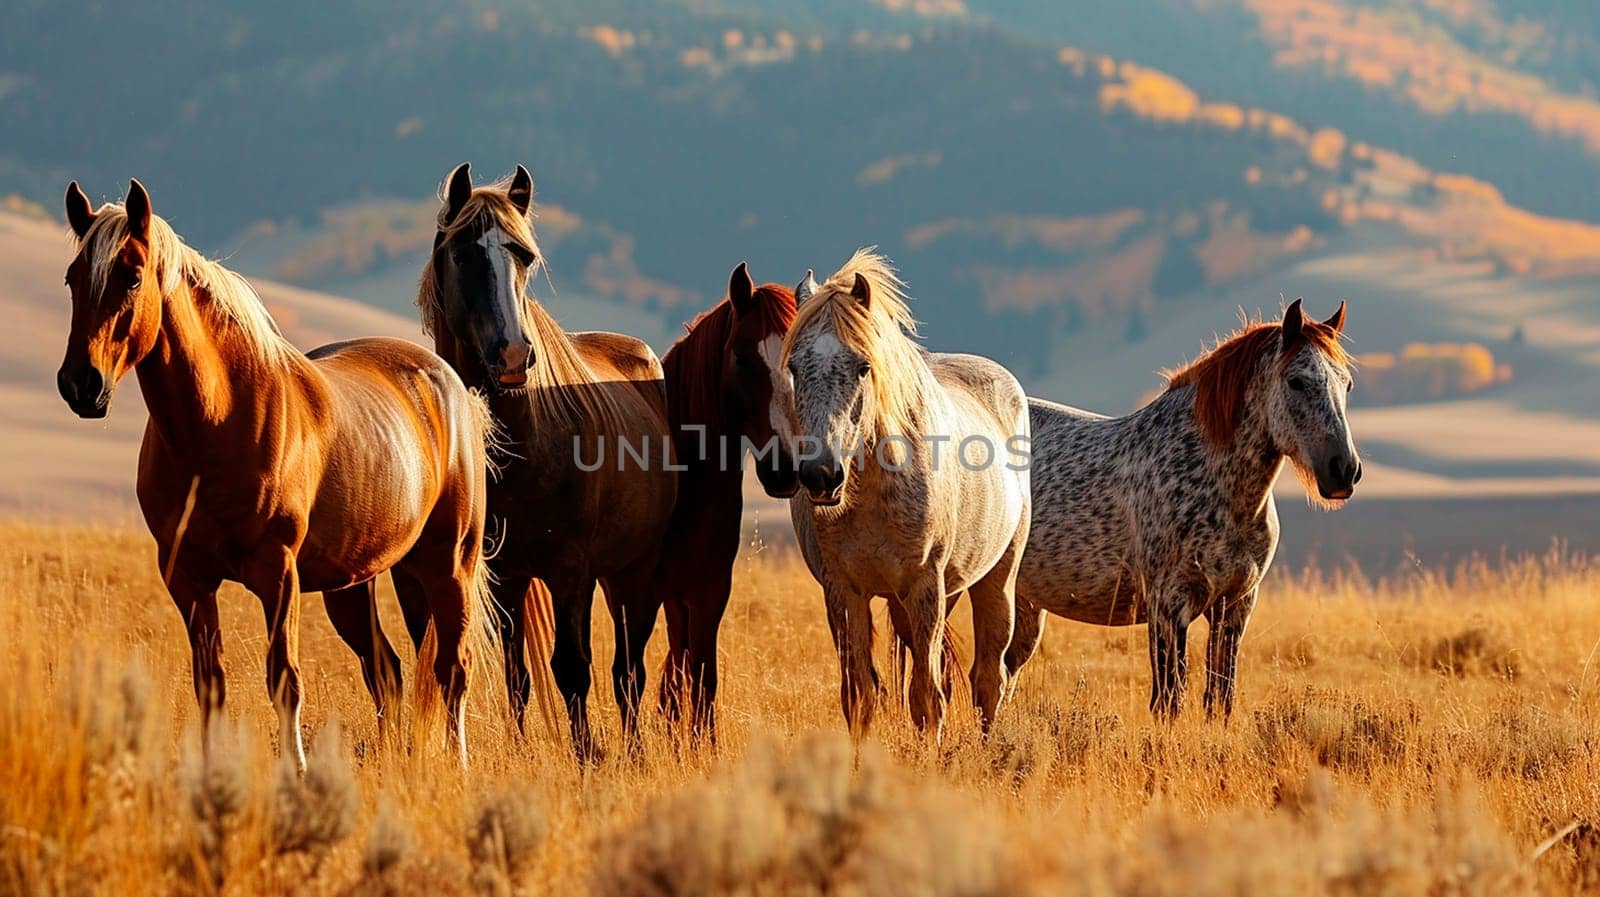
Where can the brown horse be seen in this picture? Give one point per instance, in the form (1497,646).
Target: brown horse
(588,486)
(722,379)
(284,472)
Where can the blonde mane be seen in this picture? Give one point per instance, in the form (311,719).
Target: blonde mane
(562,390)
(882,332)
(172,263)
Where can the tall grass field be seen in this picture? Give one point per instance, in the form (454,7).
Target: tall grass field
(1428,732)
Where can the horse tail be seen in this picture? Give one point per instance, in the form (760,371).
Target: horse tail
(954,659)
(539,634)
(482,624)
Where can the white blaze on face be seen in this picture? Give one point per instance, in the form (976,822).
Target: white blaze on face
(493,242)
(771,352)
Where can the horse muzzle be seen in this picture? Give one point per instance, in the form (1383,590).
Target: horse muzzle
(509,364)
(1338,476)
(85,391)
(823,482)
(778,476)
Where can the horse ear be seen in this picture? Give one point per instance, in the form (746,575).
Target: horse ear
(457,190)
(80,212)
(1337,321)
(521,191)
(138,206)
(862,290)
(741,291)
(1293,321)
(804,289)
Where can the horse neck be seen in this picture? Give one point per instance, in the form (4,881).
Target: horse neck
(1247,467)
(201,375)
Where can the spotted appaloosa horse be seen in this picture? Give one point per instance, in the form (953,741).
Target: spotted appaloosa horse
(1167,514)
(288,473)
(908,518)
(722,379)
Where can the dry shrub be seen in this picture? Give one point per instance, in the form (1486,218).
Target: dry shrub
(1474,651)
(1527,741)
(219,788)
(1335,729)
(504,839)
(316,810)
(808,822)
(1330,842)
(392,866)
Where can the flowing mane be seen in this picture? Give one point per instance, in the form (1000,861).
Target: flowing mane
(561,387)
(173,263)
(1221,375)
(694,363)
(882,333)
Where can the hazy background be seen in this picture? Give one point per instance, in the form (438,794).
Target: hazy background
(1087,192)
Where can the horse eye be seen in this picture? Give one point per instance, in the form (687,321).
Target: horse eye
(522,254)
(863,369)
(1297,384)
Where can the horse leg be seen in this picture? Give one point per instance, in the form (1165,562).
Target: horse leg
(631,598)
(709,605)
(1025,639)
(850,621)
(510,599)
(573,602)
(925,614)
(1168,632)
(1227,619)
(413,600)
(354,614)
(271,575)
(445,568)
(195,595)
(994,612)
(675,672)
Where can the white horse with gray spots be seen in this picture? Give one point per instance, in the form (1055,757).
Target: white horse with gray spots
(1166,514)
(914,485)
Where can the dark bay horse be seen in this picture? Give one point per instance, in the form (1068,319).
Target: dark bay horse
(722,383)
(285,472)
(1166,514)
(587,485)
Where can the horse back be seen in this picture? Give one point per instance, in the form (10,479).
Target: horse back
(401,426)
(984,384)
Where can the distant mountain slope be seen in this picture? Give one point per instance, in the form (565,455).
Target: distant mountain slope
(51,463)
(1029,191)
(1481,87)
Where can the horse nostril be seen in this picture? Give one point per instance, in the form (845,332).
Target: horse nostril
(515,356)
(1357,478)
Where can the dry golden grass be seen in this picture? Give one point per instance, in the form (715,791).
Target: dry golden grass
(1421,735)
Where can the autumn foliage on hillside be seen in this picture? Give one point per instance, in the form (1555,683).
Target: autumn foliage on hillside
(1426,371)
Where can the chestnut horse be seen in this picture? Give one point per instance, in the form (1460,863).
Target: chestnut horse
(284,472)
(585,493)
(722,389)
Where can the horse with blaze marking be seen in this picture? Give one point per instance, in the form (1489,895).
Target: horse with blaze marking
(1167,514)
(285,472)
(722,380)
(562,400)
(904,520)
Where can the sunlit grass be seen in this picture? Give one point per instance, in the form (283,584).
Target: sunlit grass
(1422,733)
